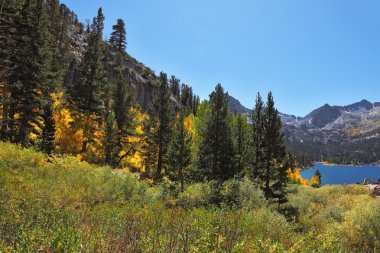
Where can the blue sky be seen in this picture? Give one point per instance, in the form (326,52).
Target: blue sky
(307,53)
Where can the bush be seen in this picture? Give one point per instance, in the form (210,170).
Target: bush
(242,194)
(361,228)
(196,195)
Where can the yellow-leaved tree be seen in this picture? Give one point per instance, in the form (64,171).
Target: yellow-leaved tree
(68,137)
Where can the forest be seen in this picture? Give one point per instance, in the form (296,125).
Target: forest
(85,167)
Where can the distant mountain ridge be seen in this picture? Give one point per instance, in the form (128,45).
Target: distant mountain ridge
(349,132)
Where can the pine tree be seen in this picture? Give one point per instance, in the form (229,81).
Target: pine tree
(87,90)
(196,102)
(118,40)
(111,148)
(122,98)
(8,46)
(186,98)
(179,152)
(241,143)
(121,104)
(87,93)
(257,117)
(59,40)
(158,130)
(48,129)
(273,146)
(281,179)
(315,180)
(174,87)
(32,61)
(215,154)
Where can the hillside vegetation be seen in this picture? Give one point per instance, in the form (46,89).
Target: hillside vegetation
(64,205)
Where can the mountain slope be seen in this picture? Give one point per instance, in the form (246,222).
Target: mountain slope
(349,134)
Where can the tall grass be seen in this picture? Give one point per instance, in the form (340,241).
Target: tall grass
(64,205)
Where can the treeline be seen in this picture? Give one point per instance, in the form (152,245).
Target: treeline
(359,152)
(93,116)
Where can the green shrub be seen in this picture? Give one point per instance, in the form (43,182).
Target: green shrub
(195,195)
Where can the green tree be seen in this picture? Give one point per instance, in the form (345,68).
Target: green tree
(215,154)
(315,180)
(273,146)
(118,40)
(186,98)
(59,39)
(241,135)
(158,130)
(32,60)
(196,102)
(87,93)
(257,117)
(48,128)
(174,87)
(122,103)
(8,46)
(179,152)
(87,90)
(111,148)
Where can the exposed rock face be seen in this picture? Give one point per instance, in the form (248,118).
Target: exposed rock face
(236,107)
(142,79)
(323,115)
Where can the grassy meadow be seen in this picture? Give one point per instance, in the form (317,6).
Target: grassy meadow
(64,205)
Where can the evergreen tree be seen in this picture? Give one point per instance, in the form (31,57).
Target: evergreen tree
(281,179)
(87,90)
(87,93)
(111,148)
(158,130)
(174,86)
(241,143)
(315,180)
(319,176)
(8,46)
(32,61)
(118,40)
(186,98)
(48,129)
(273,146)
(215,152)
(59,40)
(196,102)
(122,106)
(179,152)
(257,117)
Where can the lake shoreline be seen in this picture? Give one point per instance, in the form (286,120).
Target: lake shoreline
(343,174)
(375,164)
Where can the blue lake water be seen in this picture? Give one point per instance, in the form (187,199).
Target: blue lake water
(343,174)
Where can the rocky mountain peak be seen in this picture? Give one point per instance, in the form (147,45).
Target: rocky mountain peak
(236,107)
(362,105)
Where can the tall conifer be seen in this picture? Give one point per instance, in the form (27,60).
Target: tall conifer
(179,152)
(257,117)
(118,40)
(158,130)
(215,152)
(273,146)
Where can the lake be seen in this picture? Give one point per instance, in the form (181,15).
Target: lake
(332,174)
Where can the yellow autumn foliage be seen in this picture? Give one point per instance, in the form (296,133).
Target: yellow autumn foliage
(68,138)
(296,178)
(133,143)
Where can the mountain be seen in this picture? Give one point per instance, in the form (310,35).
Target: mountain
(342,134)
(236,107)
(143,80)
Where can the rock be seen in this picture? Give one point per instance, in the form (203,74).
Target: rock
(374,188)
